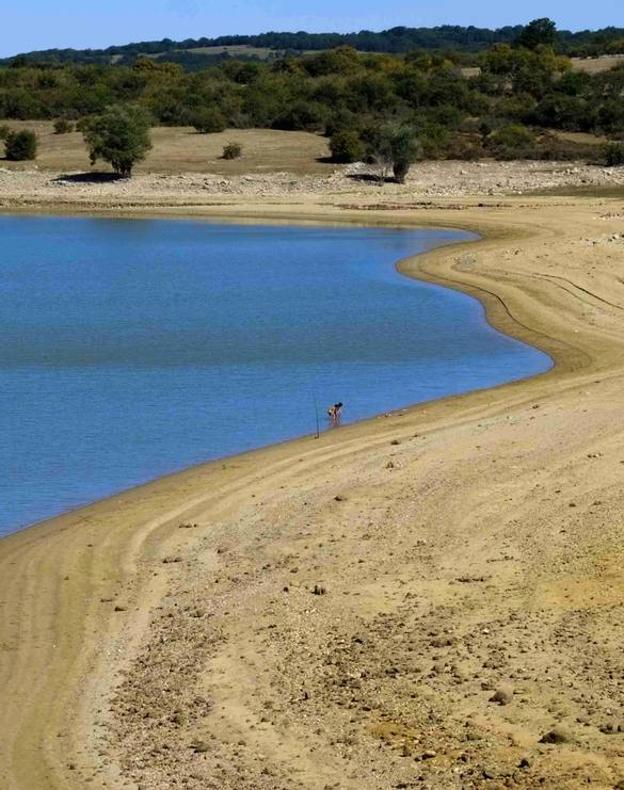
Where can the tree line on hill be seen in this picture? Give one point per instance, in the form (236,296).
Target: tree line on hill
(386,107)
(396,40)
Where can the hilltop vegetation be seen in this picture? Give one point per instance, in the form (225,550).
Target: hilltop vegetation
(508,108)
(194,53)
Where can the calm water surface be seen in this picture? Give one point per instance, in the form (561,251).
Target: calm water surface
(133,348)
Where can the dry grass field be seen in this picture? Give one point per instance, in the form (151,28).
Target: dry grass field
(582,138)
(182,150)
(235,50)
(588,65)
(596,65)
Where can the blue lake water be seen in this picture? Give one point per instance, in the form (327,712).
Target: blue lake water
(133,348)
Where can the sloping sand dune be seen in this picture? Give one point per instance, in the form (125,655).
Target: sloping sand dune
(434,598)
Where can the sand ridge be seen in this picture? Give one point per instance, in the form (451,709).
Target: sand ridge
(429,599)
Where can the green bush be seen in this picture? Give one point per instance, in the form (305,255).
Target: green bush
(208,121)
(340,120)
(614,154)
(20,146)
(435,140)
(513,136)
(346,147)
(63,126)
(232,151)
(120,135)
(5,131)
(512,142)
(392,146)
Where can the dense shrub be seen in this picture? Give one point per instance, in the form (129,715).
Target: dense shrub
(340,120)
(20,146)
(512,142)
(208,120)
(346,146)
(513,136)
(614,154)
(63,126)
(560,111)
(5,131)
(303,116)
(435,140)
(232,151)
(610,116)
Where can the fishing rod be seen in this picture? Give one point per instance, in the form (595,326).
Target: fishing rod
(318,424)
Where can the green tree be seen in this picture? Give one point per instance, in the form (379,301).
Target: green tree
(538,32)
(614,154)
(406,149)
(20,146)
(120,135)
(611,116)
(63,126)
(393,146)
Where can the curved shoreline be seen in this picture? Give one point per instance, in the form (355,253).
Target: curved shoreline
(62,642)
(406,267)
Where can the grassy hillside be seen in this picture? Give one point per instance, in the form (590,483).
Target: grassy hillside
(387,107)
(182,150)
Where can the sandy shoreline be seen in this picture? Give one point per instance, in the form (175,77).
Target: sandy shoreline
(469,547)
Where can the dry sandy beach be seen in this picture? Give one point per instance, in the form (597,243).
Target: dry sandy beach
(431,599)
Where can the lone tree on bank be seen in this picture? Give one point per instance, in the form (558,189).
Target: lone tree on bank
(392,147)
(120,135)
(406,149)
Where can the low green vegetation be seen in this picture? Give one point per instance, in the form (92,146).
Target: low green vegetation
(119,135)
(520,100)
(614,154)
(63,126)
(20,146)
(208,120)
(346,146)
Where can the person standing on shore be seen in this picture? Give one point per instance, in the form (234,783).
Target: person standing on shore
(335,413)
